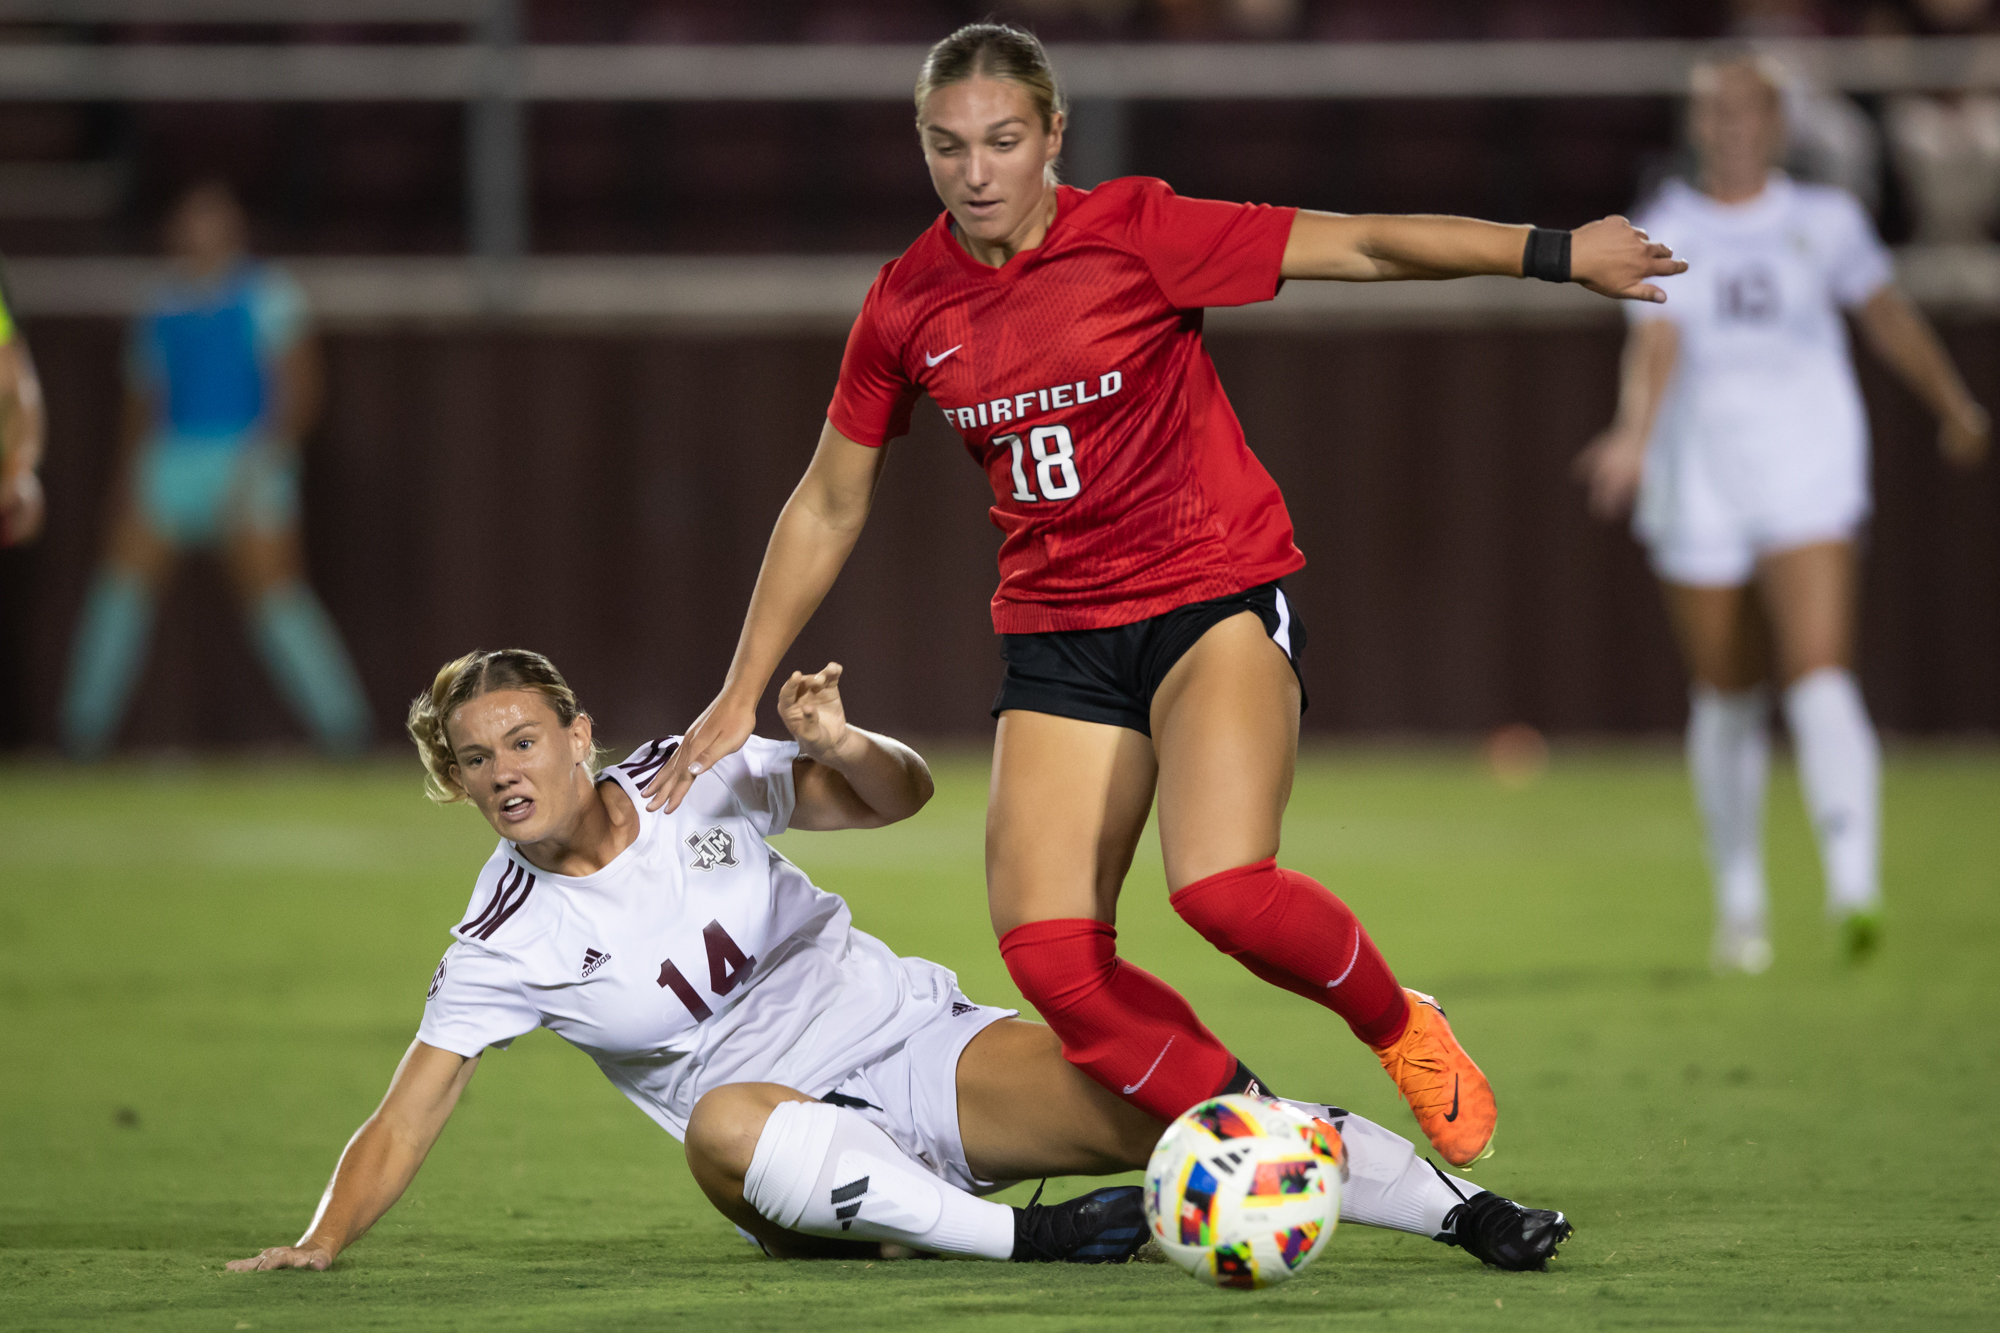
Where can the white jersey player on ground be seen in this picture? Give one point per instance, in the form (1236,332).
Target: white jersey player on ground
(830,1094)
(1741,428)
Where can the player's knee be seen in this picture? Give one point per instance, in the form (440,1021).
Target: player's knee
(1819,653)
(1057,964)
(1219,906)
(1729,672)
(723,1130)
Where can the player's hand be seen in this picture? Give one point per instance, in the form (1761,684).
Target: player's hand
(1614,258)
(813,713)
(21,511)
(718,733)
(1611,468)
(1964,434)
(284,1256)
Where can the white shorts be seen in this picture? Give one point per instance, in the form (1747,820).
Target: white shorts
(1709,509)
(911,1091)
(1729,560)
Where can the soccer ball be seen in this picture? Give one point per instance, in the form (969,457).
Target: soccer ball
(1244,1191)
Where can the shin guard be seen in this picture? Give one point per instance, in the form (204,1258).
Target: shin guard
(1291,931)
(824,1171)
(1119,1024)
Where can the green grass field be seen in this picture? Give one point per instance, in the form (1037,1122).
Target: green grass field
(207,973)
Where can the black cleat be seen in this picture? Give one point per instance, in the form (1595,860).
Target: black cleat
(1502,1233)
(1106,1226)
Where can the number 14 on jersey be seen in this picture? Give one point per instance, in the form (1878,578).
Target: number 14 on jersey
(727,967)
(1054,453)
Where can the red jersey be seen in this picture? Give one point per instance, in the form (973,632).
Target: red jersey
(1077,377)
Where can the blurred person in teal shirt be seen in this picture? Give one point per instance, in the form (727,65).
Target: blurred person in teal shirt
(223,382)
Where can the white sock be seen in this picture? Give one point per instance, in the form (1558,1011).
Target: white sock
(1388,1185)
(1840,768)
(1729,755)
(825,1171)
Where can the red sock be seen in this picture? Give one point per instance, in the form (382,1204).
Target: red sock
(1119,1024)
(1291,931)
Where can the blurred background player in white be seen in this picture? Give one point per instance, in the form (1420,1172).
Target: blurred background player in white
(828,1091)
(1741,430)
(224,381)
(22,428)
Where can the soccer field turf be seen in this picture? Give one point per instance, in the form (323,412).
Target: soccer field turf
(209,971)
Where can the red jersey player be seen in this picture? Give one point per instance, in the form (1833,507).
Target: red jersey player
(1148,644)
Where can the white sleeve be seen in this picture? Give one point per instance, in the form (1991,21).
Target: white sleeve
(760,777)
(1858,264)
(474,1002)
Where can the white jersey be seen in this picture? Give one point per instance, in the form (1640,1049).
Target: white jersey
(698,956)
(1763,436)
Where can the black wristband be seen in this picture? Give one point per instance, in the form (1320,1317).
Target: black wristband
(1547,255)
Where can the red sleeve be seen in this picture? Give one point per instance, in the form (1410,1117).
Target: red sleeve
(871,404)
(1204,252)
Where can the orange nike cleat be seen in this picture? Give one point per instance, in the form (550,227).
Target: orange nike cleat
(1451,1099)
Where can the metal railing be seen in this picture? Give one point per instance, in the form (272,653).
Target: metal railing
(495,74)
(312,72)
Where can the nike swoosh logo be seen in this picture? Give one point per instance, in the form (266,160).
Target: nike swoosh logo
(932,361)
(1132,1088)
(1454,1100)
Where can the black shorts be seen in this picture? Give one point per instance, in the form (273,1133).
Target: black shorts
(1111,675)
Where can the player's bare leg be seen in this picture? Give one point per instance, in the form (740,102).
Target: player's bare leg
(1229,706)
(1225,725)
(297,640)
(1069,802)
(117,621)
(1809,592)
(1722,634)
(1724,640)
(1025,1112)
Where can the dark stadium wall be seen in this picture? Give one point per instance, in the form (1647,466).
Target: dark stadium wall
(605,497)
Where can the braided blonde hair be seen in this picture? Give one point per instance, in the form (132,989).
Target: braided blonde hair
(466,678)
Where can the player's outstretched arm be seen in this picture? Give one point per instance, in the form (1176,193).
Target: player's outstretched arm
(1901,336)
(1613,463)
(814,536)
(846,777)
(380,1160)
(1610,256)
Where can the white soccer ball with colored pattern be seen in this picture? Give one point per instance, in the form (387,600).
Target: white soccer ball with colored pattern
(1244,1191)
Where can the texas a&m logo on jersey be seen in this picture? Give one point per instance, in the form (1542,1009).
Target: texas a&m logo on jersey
(437,978)
(713,848)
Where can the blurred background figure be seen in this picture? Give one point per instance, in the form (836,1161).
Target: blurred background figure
(1741,430)
(1828,137)
(1946,148)
(21,432)
(223,382)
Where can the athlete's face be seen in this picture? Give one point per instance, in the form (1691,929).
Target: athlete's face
(527,772)
(989,158)
(207,230)
(1737,124)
